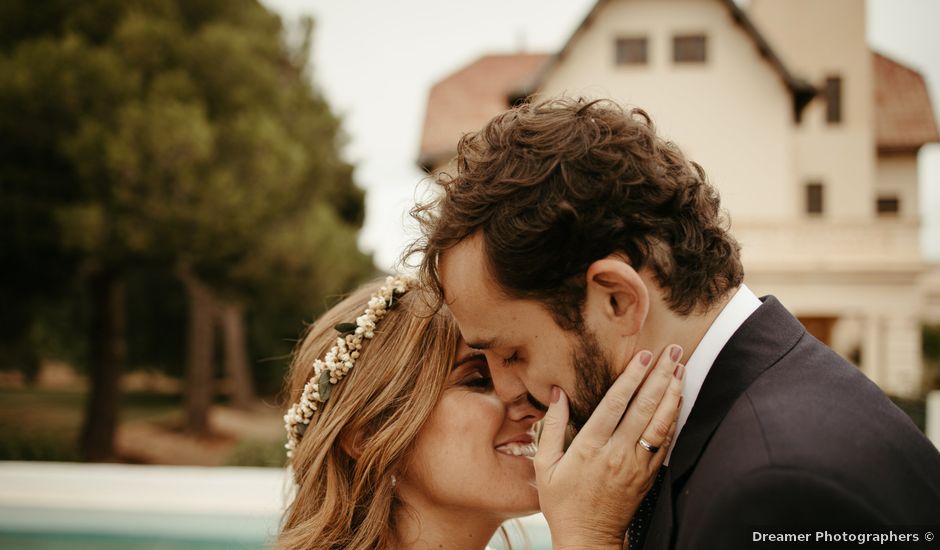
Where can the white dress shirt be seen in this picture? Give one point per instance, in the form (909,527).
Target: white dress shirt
(736,311)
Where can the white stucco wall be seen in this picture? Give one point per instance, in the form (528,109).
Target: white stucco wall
(896,175)
(817,40)
(732,114)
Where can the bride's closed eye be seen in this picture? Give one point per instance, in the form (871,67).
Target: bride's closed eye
(478,377)
(473,372)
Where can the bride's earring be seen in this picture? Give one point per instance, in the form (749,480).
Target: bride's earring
(394,481)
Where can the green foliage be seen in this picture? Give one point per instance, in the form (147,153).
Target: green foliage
(137,136)
(931,342)
(44,424)
(930,338)
(915,408)
(48,445)
(156,297)
(39,425)
(251,452)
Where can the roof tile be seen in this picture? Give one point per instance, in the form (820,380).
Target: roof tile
(466,100)
(904,117)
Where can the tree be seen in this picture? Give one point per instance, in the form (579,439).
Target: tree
(273,144)
(50,87)
(185,134)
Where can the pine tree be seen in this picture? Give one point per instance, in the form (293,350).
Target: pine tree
(172,133)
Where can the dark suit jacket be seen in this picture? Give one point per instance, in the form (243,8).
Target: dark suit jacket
(785,433)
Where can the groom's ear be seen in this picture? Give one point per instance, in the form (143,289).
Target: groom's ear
(617,295)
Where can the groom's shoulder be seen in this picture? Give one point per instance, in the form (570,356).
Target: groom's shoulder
(810,439)
(809,388)
(814,406)
(814,415)
(813,428)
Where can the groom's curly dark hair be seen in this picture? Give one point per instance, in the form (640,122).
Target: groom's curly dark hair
(557,185)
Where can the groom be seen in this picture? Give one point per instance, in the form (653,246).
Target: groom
(569,237)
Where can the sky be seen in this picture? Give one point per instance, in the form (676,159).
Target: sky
(375,61)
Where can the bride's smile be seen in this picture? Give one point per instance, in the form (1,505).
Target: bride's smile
(522,446)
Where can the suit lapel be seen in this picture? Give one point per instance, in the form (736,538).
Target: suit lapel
(766,336)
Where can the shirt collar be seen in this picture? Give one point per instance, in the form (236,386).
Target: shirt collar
(732,316)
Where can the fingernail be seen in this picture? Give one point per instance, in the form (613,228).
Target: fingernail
(680,371)
(646,358)
(675,353)
(556,394)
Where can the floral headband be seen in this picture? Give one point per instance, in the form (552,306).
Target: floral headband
(337,362)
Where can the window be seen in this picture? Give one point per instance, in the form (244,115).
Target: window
(631,50)
(833,99)
(889,206)
(814,198)
(689,48)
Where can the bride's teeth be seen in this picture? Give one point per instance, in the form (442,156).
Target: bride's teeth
(518,449)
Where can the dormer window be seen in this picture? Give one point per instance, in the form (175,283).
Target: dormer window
(689,48)
(631,50)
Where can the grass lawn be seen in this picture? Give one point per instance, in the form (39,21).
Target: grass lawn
(44,424)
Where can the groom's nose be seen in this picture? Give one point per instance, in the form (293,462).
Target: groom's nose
(523,409)
(506,382)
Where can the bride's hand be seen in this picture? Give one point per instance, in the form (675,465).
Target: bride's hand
(590,492)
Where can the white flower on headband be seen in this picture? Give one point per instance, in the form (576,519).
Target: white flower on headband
(327,372)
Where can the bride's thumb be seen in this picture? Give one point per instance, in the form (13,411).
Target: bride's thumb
(552,436)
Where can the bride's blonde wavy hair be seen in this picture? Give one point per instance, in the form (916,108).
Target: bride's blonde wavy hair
(345,501)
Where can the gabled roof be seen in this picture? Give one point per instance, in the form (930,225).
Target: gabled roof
(469,98)
(904,117)
(802,91)
(466,100)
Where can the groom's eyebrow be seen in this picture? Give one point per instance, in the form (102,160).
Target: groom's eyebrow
(468,358)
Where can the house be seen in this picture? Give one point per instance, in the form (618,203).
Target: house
(810,137)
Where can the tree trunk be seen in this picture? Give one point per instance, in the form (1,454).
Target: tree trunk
(236,355)
(200,347)
(108,353)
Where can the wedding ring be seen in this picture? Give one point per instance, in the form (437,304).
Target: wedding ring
(646,445)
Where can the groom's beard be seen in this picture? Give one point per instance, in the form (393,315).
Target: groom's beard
(593,377)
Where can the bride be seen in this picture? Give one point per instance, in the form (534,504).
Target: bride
(398,439)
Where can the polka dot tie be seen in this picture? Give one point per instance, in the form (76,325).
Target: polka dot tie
(636,533)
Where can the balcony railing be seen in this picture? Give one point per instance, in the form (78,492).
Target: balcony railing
(830,244)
